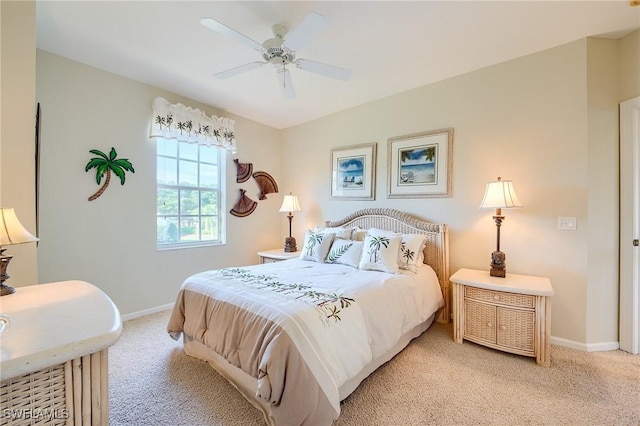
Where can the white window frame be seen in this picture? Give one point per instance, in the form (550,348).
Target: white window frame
(220,191)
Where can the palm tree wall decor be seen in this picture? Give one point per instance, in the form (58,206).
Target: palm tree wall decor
(104,165)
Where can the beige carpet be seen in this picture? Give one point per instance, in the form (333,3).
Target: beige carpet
(434,381)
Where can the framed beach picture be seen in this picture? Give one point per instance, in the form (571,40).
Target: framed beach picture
(353,172)
(420,164)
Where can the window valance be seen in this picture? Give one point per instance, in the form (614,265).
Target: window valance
(191,125)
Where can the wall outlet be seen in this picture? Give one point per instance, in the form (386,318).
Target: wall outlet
(567,223)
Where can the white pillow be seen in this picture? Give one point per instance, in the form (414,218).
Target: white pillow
(411,255)
(381,232)
(316,246)
(339,231)
(345,252)
(358,234)
(380,253)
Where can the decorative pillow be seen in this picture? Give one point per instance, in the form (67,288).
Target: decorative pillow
(380,253)
(358,234)
(339,232)
(411,255)
(316,246)
(421,254)
(345,252)
(381,232)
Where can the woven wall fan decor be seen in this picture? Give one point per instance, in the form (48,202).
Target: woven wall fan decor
(266,183)
(245,205)
(244,171)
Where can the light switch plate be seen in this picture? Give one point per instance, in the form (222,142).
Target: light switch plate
(567,223)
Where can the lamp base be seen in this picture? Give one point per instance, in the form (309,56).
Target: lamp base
(6,290)
(4,263)
(290,245)
(498,264)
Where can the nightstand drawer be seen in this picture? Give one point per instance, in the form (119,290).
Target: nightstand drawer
(480,321)
(510,299)
(516,329)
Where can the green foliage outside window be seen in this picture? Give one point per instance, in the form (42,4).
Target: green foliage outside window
(188,194)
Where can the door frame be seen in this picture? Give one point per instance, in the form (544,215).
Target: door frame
(629,333)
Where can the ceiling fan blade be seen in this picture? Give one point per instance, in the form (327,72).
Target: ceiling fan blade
(312,25)
(286,84)
(223,29)
(324,69)
(239,70)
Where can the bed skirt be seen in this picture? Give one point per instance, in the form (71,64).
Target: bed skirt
(247,385)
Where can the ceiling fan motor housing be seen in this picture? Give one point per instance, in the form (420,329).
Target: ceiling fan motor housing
(275,52)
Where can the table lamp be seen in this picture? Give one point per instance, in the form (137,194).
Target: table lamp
(290,204)
(11,232)
(499,195)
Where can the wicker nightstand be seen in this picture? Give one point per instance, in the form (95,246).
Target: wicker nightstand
(512,314)
(276,255)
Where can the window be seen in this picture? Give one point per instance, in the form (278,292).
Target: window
(190,178)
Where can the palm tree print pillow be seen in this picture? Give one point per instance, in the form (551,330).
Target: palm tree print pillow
(345,252)
(380,253)
(411,255)
(316,246)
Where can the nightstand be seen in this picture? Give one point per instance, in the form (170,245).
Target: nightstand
(276,255)
(511,314)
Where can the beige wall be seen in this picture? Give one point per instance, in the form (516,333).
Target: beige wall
(525,120)
(111,242)
(630,66)
(603,85)
(17,147)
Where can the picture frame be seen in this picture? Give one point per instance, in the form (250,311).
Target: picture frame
(353,172)
(420,164)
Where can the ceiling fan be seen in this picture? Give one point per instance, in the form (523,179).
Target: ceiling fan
(281,51)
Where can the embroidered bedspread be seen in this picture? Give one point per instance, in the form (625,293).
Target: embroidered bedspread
(302,328)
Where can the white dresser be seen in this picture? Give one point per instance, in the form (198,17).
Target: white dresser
(54,367)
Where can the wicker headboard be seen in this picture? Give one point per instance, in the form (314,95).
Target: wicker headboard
(436,250)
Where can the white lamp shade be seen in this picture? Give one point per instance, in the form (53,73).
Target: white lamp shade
(500,195)
(11,230)
(290,204)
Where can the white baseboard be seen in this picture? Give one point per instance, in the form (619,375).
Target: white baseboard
(586,347)
(149,311)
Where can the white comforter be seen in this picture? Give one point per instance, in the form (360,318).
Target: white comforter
(339,317)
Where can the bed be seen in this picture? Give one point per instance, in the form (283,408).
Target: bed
(297,337)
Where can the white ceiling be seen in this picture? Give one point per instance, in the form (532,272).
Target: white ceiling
(390,46)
